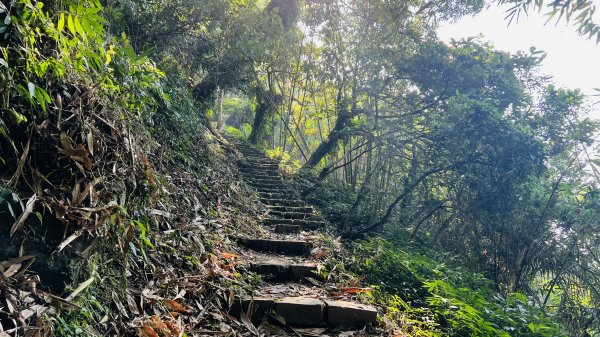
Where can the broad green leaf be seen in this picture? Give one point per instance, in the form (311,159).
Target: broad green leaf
(78,27)
(71,24)
(61,22)
(40,98)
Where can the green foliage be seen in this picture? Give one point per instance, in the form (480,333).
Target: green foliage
(441,299)
(46,46)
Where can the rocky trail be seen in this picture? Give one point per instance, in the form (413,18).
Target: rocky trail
(291,291)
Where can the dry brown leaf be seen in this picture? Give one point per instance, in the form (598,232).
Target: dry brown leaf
(90,142)
(14,181)
(75,193)
(173,327)
(70,239)
(133,306)
(158,325)
(320,254)
(79,154)
(176,307)
(12,270)
(147,331)
(229,256)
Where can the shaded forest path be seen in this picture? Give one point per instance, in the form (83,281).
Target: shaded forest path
(291,291)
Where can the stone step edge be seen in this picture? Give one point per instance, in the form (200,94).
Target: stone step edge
(286,247)
(285,271)
(304,311)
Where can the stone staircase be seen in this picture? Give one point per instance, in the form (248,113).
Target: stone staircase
(290,292)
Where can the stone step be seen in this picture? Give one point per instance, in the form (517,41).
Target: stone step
(282,208)
(279,270)
(264,179)
(260,175)
(270,188)
(274,184)
(304,224)
(294,215)
(287,229)
(281,202)
(285,247)
(271,195)
(257,166)
(304,311)
(267,172)
(262,160)
(274,190)
(266,185)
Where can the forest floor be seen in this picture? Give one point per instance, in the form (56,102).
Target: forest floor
(176,269)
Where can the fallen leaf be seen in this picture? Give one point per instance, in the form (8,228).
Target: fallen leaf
(24,215)
(229,256)
(80,288)
(174,328)
(147,331)
(176,307)
(158,325)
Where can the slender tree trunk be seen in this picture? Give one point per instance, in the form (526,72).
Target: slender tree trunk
(218,116)
(332,140)
(263,109)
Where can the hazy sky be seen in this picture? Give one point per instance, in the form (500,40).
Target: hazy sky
(572,60)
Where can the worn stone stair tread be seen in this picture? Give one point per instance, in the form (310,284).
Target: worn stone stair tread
(293,215)
(304,224)
(282,208)
(349,314)
(287,229)
(270,195)
(273,187)
(282,202)
(284,270)
(264,179)
(308,311)
(301,311)
(281,246)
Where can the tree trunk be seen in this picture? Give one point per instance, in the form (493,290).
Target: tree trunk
(218,116)
(332,140)
(263,111)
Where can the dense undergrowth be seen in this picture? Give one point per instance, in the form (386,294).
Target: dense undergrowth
(427,292)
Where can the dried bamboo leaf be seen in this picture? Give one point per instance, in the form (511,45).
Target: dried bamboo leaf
(19,171)
(24,215)
(80,288)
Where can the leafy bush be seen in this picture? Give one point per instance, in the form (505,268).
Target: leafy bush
(430,298)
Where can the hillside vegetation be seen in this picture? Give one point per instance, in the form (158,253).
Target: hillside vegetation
(461,184)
